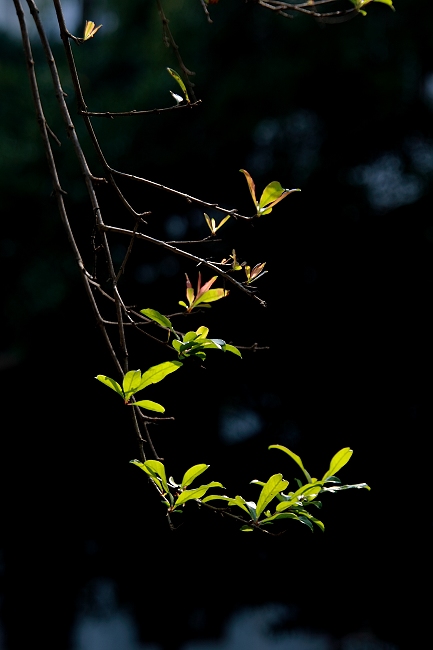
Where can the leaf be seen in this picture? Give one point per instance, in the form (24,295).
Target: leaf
(252,509)
(247,529)
(295,457)
(176,344)
(178,99)
(189,291)
(90,30)
(240,502)
(187,495)
(203,331)
(179,80)
(257,270)
(192,473)
(338,461)
(274,485)
(332,479)
(182,304)
(111,383)
(157,467)
(222,222)
(231,348)
(251,185)
(190,336)
(149,405)
(149,472)
(213,497)
(157,373)
(157,317)
(211,296)
(306,521)
(271,192)
(283,515)
(131,381)
(267,210)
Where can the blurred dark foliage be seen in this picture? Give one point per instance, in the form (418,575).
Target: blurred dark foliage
(345,113)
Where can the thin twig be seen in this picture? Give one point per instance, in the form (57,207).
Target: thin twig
(111,115)
(205,9)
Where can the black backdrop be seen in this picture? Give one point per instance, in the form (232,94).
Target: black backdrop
(342,111)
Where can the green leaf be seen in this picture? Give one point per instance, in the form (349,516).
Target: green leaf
(256,482)
(131,381)
(203,332)
(252,509)
(271,192)
(192,473)
(182,304)
(283,515)
(190,336)
(240,502)
(211,296)
(111,383)
(274,485)
(247,529)
(157,373)
(176,344)
(197,493)
(213,497)
(149,405)
(295,457)
(157,317)
(150,472)
(332,479)
(339,460)
(306,521)
(179,80)
(158,468)
(231,348)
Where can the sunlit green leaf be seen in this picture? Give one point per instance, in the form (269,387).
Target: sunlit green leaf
(190,336)
(252,509)
(197,493)
(271,192)
(332,479)
(192,473)
(111,383)
(176,344)
(156,373)
(231,348)
(182,304)
(273,486)
(240,502)
(203,331)
(306,521)
(149,405)
(159,469)
(213,497)
(157,317)
(283,515)
(247,529)
(211,296)
(131,382)
(150,472)
(338,461)
(295,457)
(179,80)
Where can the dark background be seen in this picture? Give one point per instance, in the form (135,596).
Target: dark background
(344,112)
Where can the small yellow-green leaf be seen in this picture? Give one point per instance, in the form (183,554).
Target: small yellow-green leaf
(273,486)
(157,317)
(231,348)
(149,405)
(90,30)
(240,502)
(157,373)
(192,473)
(190,336)
(131,382)
(338,461)
(179,80)
(187,495)
(211,296)
(271,193)
(150,472)
(247,529)
(222,222)
(182,304)
(295,457)
(157,467)
(111,383)
(202,331)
